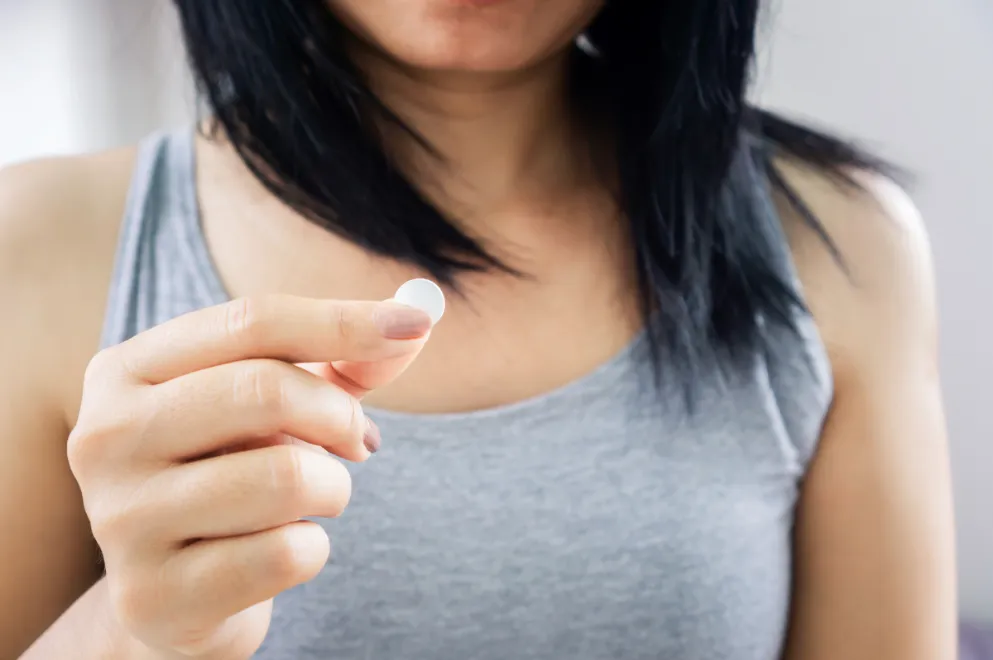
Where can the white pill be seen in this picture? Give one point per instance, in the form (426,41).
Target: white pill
(424,295)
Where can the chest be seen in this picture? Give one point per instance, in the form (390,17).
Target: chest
(572,305)
(587,526)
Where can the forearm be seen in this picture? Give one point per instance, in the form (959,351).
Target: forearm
(89,631)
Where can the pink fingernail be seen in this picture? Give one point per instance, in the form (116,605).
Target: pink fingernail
(400,322)
(372,439)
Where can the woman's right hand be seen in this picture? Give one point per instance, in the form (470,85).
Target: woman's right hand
(197,451)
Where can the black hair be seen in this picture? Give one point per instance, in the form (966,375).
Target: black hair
(668,78)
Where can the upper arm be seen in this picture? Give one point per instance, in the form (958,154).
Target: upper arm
(874,575)
(51,290)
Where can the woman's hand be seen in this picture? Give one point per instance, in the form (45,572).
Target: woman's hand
(197,451)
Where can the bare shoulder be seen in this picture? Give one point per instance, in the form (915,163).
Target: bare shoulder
(58,228)
(881,290)
(874,541)
(59,221)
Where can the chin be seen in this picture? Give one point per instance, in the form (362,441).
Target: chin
(482,36)
(496,54)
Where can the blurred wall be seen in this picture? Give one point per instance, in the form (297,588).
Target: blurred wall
(913,76)
(77,75)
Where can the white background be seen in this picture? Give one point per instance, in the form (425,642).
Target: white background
(914,77)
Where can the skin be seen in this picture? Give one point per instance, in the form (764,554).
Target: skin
(874,557)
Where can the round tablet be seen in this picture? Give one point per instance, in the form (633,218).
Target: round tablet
(424,295)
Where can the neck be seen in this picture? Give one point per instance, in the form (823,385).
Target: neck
(514,168)
(500,139)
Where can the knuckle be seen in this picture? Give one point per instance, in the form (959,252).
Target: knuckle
(258,384)
(286,473)
(245,318)
(307,483)
(109,525)
(120,515)
(100,365)
(347,418)
(107,414)
(344,323)
(90,440)
(283,560)
(78,448)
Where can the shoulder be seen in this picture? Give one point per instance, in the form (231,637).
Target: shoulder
(59,221)
(56,204)
(875,507)
(876,300)
(58,227)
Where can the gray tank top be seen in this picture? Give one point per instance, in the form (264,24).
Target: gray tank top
(588,522)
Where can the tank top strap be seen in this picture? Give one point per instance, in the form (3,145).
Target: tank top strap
(162,267)
(790,358)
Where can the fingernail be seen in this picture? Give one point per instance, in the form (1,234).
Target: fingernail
(372,439)
(400,322)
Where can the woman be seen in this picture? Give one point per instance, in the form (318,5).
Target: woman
(657,448)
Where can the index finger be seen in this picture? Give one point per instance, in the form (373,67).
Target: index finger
(287,328)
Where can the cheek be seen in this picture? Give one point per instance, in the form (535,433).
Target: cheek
(460,35)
